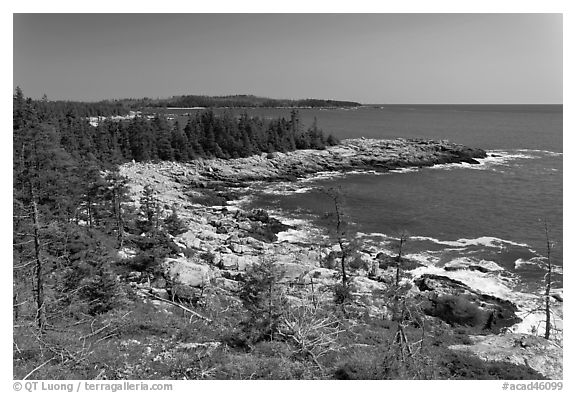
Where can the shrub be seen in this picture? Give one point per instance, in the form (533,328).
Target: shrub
(208,257)
(264,299)
(330,261)
(342,293)
(154,248)
(100,292)
(358,263)
(174,224)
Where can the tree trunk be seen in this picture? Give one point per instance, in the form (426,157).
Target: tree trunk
(89,209)
(343,263)
(339,233)
(15,309)
(40,309)
(548,280)
(399,260)
(118,215)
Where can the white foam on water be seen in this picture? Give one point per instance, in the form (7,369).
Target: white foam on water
(405,170)
(285,189)
(372,234)
(327,175)
(540,262)
(520,262)
(547,152)
(488,283)
(423,258)
(486,241)
(450,166)
(366,172)
(493,160)
(465,262)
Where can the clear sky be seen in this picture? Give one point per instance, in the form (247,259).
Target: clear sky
(370,58)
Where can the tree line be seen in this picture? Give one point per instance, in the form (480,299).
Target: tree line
(121,107)
(204,135)
(248,101)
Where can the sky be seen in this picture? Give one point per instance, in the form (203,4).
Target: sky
(369,58)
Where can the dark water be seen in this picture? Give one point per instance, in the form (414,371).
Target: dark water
(492,212)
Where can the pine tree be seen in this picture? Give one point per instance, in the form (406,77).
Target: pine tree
(149,207)
(179,143)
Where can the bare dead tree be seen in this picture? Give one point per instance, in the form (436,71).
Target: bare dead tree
(544,303)
(548,283)
(312,334)
(403,238)
(335,194)
(38,268)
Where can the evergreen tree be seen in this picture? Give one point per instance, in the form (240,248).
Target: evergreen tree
(149,208)
(179,143)
(162,133)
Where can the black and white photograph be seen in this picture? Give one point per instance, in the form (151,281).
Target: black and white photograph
(287,196)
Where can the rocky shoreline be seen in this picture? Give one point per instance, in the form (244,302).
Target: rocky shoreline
(222,240)
(351,154)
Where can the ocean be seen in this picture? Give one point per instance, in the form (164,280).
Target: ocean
(491,215)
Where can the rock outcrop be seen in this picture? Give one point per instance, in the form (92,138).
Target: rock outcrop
(351,154)
(535,352)
(494,313)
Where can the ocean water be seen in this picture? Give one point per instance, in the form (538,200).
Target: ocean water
(492,214)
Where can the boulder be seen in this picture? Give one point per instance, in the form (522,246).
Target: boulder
(244,261)
(189,239)
(291,272)
(228,261)
(445,292)
(322,273)
(364,285)
(237,262)
(186,272)
(227,284)
(239,248)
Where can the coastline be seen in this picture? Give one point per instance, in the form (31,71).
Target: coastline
(227,231)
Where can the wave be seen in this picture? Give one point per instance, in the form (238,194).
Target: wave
(372,234)
(486,241)
(327,175)
(498,158)
(405,170)
(489,283)
(520,262)
(424,258)
(464,263)
(285,189)
(547,152)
